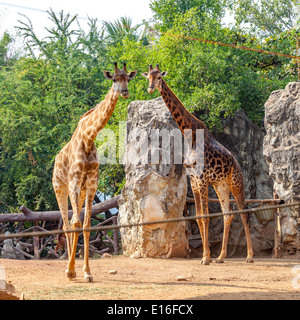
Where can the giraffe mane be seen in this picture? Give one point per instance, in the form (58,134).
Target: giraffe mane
(181,104)
(87,113)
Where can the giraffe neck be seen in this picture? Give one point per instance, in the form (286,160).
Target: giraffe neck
(183,118)
(95,120)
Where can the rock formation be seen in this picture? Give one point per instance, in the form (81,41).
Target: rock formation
(157,191)
(244,139)
(282,152)
(10,251)
(155,188)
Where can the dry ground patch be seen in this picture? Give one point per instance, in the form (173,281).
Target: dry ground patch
(155,279)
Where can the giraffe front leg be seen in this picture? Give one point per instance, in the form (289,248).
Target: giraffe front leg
(73,239)
(204,260)
(86,234)
(76,195)
(204,211)
(201,203)
(206,251)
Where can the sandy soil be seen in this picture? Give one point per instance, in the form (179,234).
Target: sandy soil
(155,279)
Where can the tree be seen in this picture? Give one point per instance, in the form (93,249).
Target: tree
(214,81)
(266,17)
(167,11)
(8,54)
(43,96)
(122,29)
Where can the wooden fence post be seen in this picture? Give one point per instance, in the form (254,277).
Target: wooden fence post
(116,235)
(277,238)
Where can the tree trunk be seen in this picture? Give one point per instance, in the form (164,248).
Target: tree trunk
(28,215)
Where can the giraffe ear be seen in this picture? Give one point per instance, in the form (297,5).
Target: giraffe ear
(164,73)
(145,74)
(132,74)
(108,75)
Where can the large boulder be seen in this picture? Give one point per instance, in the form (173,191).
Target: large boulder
(244,139)
(282,152)
(154,189)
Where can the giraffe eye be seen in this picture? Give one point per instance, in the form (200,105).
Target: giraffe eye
(114,80)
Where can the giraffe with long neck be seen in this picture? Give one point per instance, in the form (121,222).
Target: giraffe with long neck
(76,167)
(219,168)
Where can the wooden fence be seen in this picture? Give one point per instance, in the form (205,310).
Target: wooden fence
(55,245)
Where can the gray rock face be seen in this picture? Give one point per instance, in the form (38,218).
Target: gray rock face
(282,152)
(9,250)
(244,139)
(154,190)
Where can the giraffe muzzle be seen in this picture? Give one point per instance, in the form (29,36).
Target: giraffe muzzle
(151,89)
(125,93)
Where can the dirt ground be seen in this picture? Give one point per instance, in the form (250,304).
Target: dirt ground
(156,279)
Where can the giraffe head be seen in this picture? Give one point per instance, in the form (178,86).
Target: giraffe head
(120,79)
(155,78)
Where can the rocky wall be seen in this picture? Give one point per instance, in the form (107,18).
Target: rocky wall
(244,139)
(282,152)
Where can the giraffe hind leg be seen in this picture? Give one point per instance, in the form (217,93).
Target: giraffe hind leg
(201,203)
(238,193)
(223,192)
(77,200)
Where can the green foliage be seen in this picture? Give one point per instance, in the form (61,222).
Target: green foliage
(266,17)
(41,102)
(4,43)
(167,11)
(46,90)
(121,29)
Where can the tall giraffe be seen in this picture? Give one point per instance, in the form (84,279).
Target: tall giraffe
(220,169)
(76,167)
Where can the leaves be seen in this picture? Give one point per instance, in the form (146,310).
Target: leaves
(44,92)
(266,17)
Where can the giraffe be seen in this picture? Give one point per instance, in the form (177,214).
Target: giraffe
(76,167)
(220,169)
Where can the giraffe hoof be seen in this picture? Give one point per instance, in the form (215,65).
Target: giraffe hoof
(220,260)
(249,260)
(205,261)
(88,278)
(71,274)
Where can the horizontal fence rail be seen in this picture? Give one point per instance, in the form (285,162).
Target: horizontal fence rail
(115,226)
